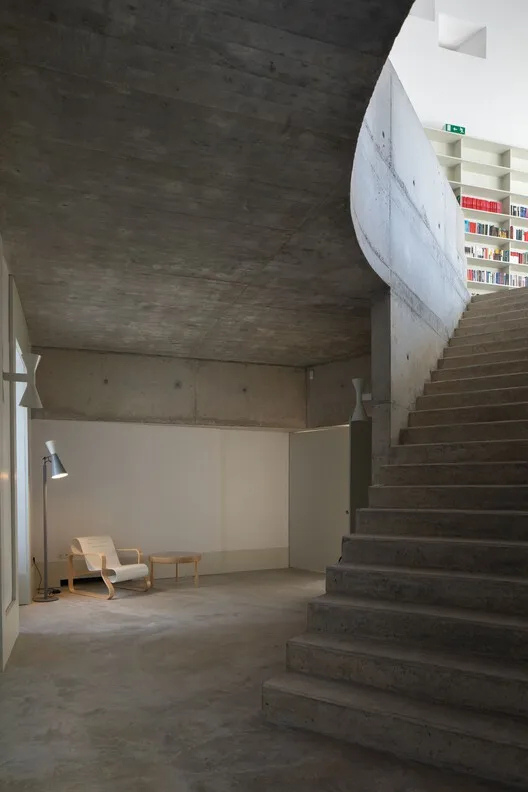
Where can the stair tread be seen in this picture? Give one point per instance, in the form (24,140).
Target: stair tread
(476,392)
(507,422)
(475,512)
(450,486)
(456,614)
(396,651)
(457,540)
(432,574)
(460,442)
(494,364)
(463,380)
(523,349)
(464,463)
(493,728)
(468,407)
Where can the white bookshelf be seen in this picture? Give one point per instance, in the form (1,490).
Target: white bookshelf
(483,170)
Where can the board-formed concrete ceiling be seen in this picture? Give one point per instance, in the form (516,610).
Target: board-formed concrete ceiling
(174,174)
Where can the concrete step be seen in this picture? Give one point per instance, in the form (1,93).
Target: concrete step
(487,413)
(479,340)
(483,346)
(441,473)
(499,300)
(476,382)
(480,317)
(493,747)
(487,357)
(465,496)
(483,556)
(498,636)
(463,432)
(469,397)
(473,451)
(479,592)
(467,682)
(444,523)
(498,324)
(486,370)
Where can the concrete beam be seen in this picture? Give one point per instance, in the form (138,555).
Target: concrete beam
(80,385)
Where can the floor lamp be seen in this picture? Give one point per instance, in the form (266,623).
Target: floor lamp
(57,471)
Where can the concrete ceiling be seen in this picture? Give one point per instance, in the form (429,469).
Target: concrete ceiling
(174,174)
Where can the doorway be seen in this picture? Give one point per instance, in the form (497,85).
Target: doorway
(21,482)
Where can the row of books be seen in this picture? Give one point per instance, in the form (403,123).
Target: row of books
(497,278)
(473,227)
(519,258)
(519,234)
(518,211)
(486,253)
(481,204)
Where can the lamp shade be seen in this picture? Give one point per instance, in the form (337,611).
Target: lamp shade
(30,397)
(57,468)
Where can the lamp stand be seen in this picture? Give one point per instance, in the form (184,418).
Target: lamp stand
(45,595)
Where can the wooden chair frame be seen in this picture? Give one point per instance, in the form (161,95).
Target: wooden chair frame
(108,583)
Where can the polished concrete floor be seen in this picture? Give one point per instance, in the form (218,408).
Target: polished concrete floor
(160,692)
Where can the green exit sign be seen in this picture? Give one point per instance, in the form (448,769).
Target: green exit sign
(458,130)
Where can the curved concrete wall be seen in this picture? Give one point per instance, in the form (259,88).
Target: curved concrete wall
(410,229)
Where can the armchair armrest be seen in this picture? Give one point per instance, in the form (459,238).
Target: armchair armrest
(131,550)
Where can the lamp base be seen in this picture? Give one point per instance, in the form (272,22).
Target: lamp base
(45,597)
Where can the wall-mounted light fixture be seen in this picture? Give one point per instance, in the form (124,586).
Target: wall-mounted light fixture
(30,397)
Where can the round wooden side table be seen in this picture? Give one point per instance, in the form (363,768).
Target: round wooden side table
(175,557)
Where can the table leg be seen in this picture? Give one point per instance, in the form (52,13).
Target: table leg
(152,574)
(195,572)
(176,572)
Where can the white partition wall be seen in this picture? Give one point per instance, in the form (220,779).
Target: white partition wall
(319,496)
(222,492)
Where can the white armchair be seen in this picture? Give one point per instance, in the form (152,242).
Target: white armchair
(100,555)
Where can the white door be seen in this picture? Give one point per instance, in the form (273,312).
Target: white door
(319,496)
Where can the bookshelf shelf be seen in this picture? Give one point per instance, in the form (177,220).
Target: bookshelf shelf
(493,240)
(484,176)
(490,217)
(496,194)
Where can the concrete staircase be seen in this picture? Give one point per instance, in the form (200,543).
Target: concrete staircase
(420,645)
